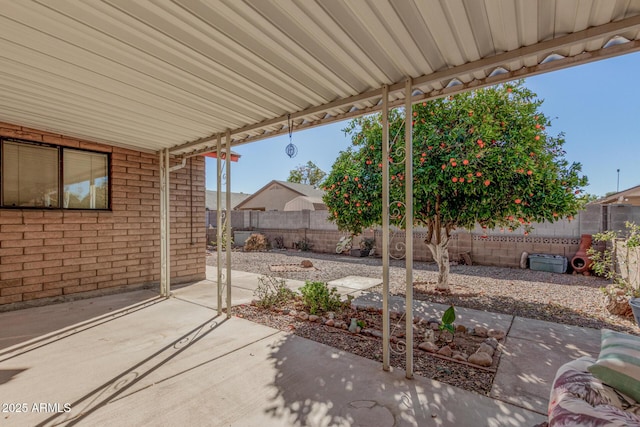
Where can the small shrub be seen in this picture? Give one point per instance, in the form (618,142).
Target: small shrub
(256,242)
(304,245)
(272,292)
(317,297)
(278,242)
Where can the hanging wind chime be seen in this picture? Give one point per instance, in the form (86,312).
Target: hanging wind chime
(290,149)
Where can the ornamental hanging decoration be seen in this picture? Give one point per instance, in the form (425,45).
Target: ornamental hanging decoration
(290,149)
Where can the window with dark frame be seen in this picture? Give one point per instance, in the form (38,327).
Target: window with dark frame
(36,175)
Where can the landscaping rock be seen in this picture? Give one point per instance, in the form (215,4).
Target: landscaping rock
(445,351)
(480,359)
(375,333)
(303,316)
(313,318)
(480,331)
(286,311)
(330,322)
(492,342)
(306,263)
(496,333)
(434,326)
(293,313)
(331,315)
(428,346)
(485,348)
(460,356)
(429,335)
(461,329)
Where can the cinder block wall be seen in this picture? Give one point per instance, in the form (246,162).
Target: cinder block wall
(52,253)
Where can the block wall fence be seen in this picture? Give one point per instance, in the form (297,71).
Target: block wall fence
(50,254)
(487,247)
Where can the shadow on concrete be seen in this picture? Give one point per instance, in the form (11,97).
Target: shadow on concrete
(26,324)
(116,386)
(49,332)
(340,389)
(7,375)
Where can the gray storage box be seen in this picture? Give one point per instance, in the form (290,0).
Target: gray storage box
(551,263)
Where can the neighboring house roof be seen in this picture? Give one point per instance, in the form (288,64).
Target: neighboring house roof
(305,202)
(211,202)
(303,189)
(300,189)
(628,196)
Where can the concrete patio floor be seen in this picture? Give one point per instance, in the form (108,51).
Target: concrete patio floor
(173,362)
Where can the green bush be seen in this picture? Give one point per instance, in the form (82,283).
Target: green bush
(272,292)
(317,297)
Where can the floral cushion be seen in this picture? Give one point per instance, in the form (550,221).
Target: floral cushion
(618,364)
(580,399)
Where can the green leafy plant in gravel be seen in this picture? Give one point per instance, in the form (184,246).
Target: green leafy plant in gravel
(448,318)
(317,297)
(272,292)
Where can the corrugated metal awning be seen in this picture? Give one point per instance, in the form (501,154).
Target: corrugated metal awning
(175,74)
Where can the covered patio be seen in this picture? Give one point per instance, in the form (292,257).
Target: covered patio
(176,80)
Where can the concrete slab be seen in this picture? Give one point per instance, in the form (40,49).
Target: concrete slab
(533,352)
(23,325)
(191,368)
(464,316)
(355,282)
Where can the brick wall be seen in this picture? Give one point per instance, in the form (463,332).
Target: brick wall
(53,253)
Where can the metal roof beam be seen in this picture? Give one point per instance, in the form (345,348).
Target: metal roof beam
(373,97)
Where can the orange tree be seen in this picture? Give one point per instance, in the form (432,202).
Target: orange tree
(481,157)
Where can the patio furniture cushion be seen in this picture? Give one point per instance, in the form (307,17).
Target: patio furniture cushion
(619,363)
(579,399)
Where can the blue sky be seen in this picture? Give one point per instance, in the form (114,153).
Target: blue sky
(596,105)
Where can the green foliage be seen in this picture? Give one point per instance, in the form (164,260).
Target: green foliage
(604,262)
(278,242)
(478,157)
(307,174)
(448,317)
(272,292)
(303,244)
(317,297)
(224,236)
(367,243)
(361,323)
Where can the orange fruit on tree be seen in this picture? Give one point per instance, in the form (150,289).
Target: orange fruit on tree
(454,179)
(478,174)
(465,162)
(518,201)
(487,182)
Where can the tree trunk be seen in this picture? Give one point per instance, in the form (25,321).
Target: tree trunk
(440,255)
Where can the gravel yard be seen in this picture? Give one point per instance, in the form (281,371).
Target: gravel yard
(562,298)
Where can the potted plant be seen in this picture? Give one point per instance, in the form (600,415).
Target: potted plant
(367,247)
(618,262)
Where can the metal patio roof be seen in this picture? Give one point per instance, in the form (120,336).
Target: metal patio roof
(174,74)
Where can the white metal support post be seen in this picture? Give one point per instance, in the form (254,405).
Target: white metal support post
(385,228)
(165,255)
(408,186)
(227,159)
(219,222)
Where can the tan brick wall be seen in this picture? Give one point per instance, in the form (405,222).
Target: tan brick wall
(52,253)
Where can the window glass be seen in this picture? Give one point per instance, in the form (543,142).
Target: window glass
(85,182)
(29,175)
